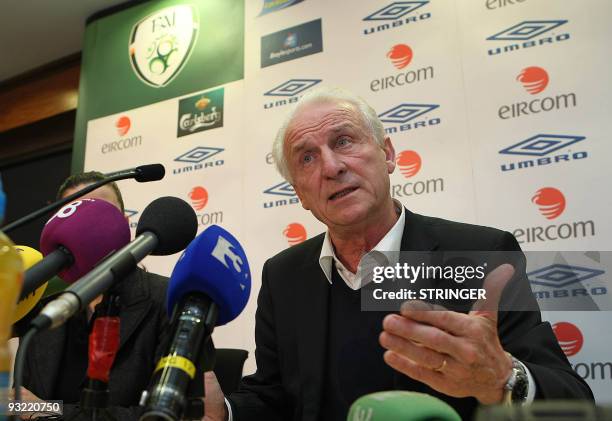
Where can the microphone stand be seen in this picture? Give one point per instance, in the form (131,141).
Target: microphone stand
(140,173)
(103,346)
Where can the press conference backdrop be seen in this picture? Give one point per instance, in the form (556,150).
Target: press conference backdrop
(498,110)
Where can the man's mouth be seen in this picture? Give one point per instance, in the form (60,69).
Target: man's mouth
(342,193)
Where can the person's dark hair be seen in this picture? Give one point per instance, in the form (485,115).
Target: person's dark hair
(89,177)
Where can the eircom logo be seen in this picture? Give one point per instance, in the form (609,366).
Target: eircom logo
(529,33)
(571,340)
(534,79)
(400,55)
(409,163)
(123,125)
(295,233)
(569,337)
(550,201)
(199,197)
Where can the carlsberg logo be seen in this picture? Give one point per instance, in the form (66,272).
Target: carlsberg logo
(199,112)
(192,123)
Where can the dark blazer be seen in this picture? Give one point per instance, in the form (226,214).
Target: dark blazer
(143,329)
(291,329)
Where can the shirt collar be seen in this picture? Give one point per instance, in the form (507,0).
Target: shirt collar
(392,241)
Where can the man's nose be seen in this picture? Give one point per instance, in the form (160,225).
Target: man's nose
(332,164)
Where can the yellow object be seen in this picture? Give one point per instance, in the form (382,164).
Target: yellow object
(11,278)
(177,361)
(30,257)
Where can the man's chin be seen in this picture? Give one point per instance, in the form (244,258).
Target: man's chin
(347,217)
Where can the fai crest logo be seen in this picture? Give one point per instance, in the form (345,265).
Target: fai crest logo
(161,43)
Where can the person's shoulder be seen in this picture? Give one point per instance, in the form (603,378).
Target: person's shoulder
(461,236)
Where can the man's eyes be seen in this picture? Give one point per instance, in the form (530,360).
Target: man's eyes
(343,141)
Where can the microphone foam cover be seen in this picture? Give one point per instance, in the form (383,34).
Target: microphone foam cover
(152,172)
(214,264)
(30,257)
(172,220)
(90,229)
(401,405)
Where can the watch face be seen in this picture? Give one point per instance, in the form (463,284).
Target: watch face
(519,391)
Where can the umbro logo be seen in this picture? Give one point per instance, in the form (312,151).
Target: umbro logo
(561,275)
(282,189)
(526,30)
(396,10)
(541,144)
(403,113)
(198,154)
(292,87)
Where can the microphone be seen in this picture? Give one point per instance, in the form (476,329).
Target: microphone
(75,239)
(142,174)
(396,405)
(166,226)
(26,303)
(209,286)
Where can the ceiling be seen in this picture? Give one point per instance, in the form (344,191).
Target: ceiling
(37,32)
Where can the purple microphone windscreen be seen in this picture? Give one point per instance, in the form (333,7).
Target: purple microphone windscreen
(90,229)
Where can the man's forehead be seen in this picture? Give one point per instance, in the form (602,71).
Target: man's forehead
(104,193)
(327,116)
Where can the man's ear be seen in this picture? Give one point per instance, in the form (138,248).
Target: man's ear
(389,155)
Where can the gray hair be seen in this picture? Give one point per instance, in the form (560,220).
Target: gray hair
(325,94)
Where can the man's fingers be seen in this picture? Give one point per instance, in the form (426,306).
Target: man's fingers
(404,365)
(419,354)
(494,284)
(456,323)
(431,337)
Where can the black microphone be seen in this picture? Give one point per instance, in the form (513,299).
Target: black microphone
(209,286)
(166,226)
(142,174)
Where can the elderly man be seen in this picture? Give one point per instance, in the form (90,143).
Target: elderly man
(317,352)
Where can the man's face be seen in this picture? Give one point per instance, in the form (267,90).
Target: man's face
(104,193)
(339,171)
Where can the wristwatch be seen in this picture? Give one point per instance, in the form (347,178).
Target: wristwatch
(517,385)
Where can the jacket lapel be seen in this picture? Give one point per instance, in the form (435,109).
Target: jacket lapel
(312,296)
(416,238)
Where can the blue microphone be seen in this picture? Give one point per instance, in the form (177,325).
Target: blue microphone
(209,286)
